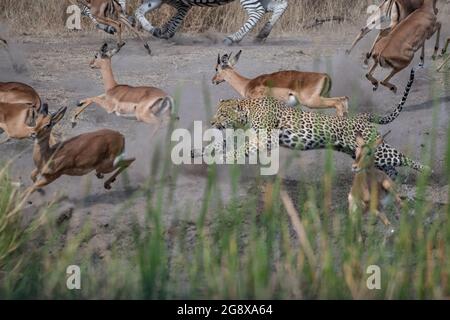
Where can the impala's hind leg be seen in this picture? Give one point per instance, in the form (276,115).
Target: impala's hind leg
(318,102)
(370,76)
(437,30)
(386,82)
(122,165)
(444,50)
(422,57)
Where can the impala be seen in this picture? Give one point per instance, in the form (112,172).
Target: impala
(292,87)
(392,10)
(14,120)
(147,104)
(397,49)
(110,13)
(370,185)
(17,92)
(102,151)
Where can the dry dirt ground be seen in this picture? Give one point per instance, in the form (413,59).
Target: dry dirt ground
(58,68)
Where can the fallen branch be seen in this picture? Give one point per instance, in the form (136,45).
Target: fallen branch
(318,22)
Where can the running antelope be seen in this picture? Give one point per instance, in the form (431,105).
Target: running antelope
(397,49)
(102,151)
(292,87)
(394,11)
(14,120)
(443,52)
(110,13)
(371,186)
(147,104)
(17,92)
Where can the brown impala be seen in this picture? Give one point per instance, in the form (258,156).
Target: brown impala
(395,11)
(370,185)
(102,151)
(292,87)
(397,49)
(147,104)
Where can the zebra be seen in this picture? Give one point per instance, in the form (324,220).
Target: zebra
(254,8)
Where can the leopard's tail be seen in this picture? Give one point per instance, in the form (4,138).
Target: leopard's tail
(407,162)
(394,114)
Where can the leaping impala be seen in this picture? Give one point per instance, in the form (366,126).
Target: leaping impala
(147,104)
(394,11)
(19,104)
(17,92)
(14,120)
(311,89)
(371,186)
(102,151)
(110,13)
(397,49)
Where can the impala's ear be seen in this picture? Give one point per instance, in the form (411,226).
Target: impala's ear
(380,140)
(44,109)
(359,139)
(58,115)
(235,59)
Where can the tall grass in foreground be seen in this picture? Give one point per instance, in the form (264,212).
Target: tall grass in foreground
(278,242)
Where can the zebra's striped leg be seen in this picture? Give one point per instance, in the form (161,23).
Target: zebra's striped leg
(278,7)
(255,12)
(171,27)
(146,7)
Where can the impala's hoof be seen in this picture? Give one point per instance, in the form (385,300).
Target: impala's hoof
(107,186)
(393,89)
(74,124)
(375,87)
(146,46)
(79,103)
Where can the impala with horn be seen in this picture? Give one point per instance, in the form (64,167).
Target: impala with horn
(102,151)
(387,16)
(370,185)
(144,103)
(397,49)
(311,89)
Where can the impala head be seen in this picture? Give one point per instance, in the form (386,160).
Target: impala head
(224,63)
(103,57)
(229,115)
(365,152)
(46,121)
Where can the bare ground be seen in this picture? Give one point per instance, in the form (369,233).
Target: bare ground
(58,68)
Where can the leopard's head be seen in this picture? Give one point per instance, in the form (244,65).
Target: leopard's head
(230,114)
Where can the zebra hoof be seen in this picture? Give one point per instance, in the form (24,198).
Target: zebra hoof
(156,32)
(228,41)
(260,39)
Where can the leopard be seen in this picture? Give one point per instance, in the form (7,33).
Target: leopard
(304,130)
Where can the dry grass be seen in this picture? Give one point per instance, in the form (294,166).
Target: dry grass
(48,16)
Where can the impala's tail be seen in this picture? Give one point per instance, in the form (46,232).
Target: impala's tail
(394,114)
